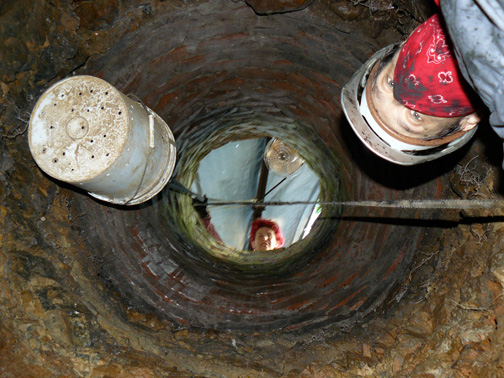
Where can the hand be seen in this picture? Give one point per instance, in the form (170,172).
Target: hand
(201,207)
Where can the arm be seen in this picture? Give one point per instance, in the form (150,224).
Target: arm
(477,30)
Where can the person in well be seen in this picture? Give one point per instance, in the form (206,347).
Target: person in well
(409,103)
(265,235)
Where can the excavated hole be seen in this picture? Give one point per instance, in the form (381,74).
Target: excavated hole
(232,127)
(70,263)
(215,80)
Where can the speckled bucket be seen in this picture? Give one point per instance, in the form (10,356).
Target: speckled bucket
(85,132)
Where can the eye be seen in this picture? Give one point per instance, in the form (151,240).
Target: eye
(390,82)
(416,115)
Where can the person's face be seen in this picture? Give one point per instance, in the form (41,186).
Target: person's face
(264,240)
(399,118)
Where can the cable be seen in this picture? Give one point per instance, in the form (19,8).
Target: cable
(407,204)
(441,204)
(178,187)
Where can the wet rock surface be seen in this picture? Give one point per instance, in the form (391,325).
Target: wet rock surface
(62,317)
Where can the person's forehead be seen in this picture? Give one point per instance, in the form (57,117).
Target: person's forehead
(388,68)
(265,230)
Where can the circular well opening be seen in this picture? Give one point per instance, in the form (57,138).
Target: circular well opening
(284,82)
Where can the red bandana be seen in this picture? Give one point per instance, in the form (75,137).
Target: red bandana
(427,78)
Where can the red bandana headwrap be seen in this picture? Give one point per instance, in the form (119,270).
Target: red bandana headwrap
(427,78)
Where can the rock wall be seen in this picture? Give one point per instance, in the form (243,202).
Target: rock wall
(66,314)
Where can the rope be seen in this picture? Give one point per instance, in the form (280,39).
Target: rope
(441,204)
(178,187)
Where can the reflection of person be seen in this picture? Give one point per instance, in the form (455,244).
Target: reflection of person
(409,104)
(265,235)
(477,30)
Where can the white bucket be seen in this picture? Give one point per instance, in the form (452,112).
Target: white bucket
(85,132)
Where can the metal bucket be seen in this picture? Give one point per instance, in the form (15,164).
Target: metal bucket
(85,132)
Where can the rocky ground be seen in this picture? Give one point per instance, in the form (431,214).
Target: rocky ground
(57,320)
